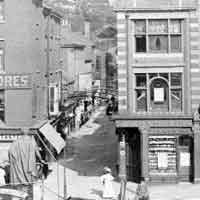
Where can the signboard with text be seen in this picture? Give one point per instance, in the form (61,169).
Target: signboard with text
(15,81)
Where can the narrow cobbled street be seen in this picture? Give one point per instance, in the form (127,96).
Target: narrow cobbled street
(88,154)
(89,150)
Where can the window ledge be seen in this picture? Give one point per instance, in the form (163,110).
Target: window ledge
(142,55)
(2,21)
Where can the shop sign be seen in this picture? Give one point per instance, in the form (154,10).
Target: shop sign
(15,81)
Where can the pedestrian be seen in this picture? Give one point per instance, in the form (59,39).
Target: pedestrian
(142,192)
(107,182)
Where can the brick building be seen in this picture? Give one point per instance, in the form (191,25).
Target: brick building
(159,93)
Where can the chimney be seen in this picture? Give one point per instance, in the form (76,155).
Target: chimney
(87,29)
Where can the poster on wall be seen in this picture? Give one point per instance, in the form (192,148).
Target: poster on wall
(158,94)
(185,159)
(162,160)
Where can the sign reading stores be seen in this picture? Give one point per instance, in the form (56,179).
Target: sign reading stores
(15,81)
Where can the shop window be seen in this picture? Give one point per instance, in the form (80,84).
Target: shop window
(164,94)
(158,36)
(162,155)
(2,14)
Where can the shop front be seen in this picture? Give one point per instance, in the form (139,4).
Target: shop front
(159,149)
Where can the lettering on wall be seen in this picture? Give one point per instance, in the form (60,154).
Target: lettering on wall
(15,81)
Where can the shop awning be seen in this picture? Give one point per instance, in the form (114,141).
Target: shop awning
(53,137)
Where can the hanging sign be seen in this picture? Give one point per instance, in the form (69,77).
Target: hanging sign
(15,81)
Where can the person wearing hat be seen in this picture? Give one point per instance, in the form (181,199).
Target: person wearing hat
(107,182)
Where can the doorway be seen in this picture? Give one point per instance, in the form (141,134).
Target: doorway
(133,155)
(185,158)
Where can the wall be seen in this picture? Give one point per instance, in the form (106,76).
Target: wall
(23,32)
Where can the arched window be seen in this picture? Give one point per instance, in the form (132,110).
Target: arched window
(159,92)
(159,95)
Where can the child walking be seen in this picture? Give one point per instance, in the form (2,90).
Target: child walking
(107,182)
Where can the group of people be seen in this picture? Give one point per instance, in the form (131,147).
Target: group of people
(106,179)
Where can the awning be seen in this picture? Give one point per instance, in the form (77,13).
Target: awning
(53,137)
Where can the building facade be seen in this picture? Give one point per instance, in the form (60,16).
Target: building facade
(29,57)
(159,93)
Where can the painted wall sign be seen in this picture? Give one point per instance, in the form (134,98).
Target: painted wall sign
(15,81)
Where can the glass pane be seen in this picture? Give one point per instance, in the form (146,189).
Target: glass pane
(141,43)
(158,26)
(176,100)
(141,101)
(140,26)
(164,75)
(175,43)
(141,80)
(158,44)
(176,79)
(152,75)
(175,26)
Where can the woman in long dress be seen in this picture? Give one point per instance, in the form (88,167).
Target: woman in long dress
(107,182)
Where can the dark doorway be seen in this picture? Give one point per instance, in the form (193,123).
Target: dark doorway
(185,158)
(133,152)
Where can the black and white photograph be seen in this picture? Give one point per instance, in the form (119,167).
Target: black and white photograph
(99,99)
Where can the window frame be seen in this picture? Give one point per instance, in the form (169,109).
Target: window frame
(147,88)
(168,34)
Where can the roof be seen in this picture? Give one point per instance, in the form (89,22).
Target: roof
(153,4)
(75,40)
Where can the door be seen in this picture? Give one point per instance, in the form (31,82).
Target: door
(133,158)
(184,164)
